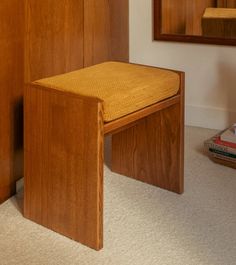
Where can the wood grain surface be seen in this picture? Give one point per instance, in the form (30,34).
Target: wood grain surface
(106,31)
(64,137)
(173,16)
(169,20)
(64,164)
(53,37)
(132,118)
(195,10)
(96,32)
(214,25)
(119,30)
(46,38)
(11,87)
(149,151)
(152,150)
(184,16)
(226,3)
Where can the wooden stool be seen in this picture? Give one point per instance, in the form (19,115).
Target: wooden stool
(66,118)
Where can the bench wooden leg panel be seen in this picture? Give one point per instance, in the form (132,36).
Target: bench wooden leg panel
(152,150)
(64,165)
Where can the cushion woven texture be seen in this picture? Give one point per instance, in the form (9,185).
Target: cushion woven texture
(124,88)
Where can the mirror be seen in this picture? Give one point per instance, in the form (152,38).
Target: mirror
(202,21)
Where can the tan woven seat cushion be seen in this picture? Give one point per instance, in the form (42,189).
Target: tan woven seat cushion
(124,88)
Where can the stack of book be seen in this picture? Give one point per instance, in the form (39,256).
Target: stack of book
(222,147)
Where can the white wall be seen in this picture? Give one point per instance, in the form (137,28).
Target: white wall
(210,69)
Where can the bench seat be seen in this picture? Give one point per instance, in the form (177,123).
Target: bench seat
(124,88)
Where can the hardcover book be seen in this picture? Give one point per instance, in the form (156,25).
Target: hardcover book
(216,144)
(221,151)
(229,136)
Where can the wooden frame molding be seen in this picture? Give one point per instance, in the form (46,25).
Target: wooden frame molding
(158,35)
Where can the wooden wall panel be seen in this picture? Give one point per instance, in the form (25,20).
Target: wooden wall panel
(119,30)
(106,31)
(54,37)
(195,10)
(96,32)
(44,38)
(66,35)
(226,3)
(11,86)
(173,16)
(184,16)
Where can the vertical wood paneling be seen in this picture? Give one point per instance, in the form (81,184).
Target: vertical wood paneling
(195,10)
(226,3)
(96,32)
(44,38)
(173,16)
(119,30)
(11,87)
(54,37)
(184,16)
(106,31)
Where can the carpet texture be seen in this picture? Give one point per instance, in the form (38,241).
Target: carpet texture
(143,224)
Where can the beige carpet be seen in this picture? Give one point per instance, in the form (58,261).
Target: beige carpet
(143,224)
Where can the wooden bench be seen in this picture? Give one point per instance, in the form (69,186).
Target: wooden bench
(66,119)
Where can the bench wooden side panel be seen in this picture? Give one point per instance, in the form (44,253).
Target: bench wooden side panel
(64,163)
(151,148)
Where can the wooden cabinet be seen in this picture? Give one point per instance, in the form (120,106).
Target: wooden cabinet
(45,38)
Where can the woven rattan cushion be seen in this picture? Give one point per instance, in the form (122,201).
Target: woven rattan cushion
(124,88)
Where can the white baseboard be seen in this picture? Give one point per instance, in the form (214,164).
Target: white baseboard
(208,117)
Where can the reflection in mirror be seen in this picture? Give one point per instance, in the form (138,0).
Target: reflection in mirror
(208,18)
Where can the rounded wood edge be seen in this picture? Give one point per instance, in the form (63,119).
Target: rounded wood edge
(62,92)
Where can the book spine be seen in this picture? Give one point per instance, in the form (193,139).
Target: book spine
(226,149)
(229,159)
(221,142)
(223,153)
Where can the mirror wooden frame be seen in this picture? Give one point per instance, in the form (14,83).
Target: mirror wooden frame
(158,35)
